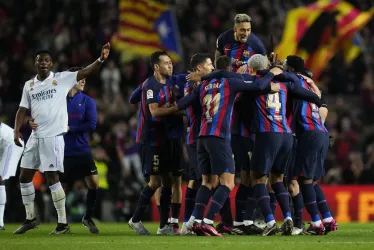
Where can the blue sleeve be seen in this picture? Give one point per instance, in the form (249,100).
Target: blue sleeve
(221,74)
(220,45)
(151,93)
(178,80)
(136,96)
(261,47)
(189,99)
(291,77)
(256,85)
(304,94)
(90,119)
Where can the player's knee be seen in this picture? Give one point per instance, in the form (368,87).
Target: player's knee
(293,188)
(154,182)
(26,176)
(177,181)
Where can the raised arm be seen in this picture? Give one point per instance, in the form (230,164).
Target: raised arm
(256,85)
(95,66)
(304,94)
(189,99)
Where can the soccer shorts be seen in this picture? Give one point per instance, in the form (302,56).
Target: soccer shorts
(175,156)
(193,172)
(154,160)
(242,151)
(311,153)
(271,152)
(214,156)
(44,154)
(10,153)
(78,166)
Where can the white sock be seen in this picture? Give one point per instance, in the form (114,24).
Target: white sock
(174,220)
(236,224)
(248,222)
(169,221)
(2,204)
(317,223)
(327,220)
(58,197)
(207,221)
(198,221)
(287,218)
(270,223)
(28,197)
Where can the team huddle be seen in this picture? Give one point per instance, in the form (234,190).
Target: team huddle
(252,116)
(246,114)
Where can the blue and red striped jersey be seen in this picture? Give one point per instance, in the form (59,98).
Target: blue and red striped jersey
(308,117)
(217,98)
(154,130)
(238,52)
(270,114)
(193,113)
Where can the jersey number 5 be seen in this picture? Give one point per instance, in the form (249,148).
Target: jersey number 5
(273,102)
(210,103)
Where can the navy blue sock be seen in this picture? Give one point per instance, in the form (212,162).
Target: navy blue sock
(202,199)
(282,198)
(273,202)
(240,202)
(263,201)
(250,205)
(189,203)
(225,212)
(175,210)
(159,209)
(90,202)
(298,206)
(323,207)
(165,201)
(143,202)
(310,201)
(218,200)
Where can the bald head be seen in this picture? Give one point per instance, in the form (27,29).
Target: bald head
(258,62)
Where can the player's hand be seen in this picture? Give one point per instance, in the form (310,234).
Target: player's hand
(242,69)
(274,87)
(276,71)
(32,124)
(193,77)
(17,138)
(105,52)
(312,85)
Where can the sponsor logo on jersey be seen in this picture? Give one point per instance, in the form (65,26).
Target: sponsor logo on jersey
(44,95)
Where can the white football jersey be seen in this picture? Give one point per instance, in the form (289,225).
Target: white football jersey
(47,102)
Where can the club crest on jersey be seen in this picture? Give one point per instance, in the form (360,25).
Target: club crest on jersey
(149,94)
(246,53)
(31,84)
(54,83)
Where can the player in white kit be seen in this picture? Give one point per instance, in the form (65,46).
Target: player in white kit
(9,158)
(45,96)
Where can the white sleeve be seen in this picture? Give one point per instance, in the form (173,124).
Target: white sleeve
(25,100)
(69,78)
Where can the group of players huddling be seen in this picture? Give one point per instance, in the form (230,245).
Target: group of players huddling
(261,118)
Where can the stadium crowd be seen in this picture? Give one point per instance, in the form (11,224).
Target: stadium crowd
(81,27)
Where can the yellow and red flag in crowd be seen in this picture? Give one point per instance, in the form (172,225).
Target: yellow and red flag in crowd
(146,26)
(318,31)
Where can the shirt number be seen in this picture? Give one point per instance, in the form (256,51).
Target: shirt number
(273,102)
(156,161)
(212,104)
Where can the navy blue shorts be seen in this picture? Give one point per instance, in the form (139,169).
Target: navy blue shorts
(311,152)
(78,166)
(214,156)
(175,156)
(193,172)
(290,172)
(271,152)
(154,160)
(242,149)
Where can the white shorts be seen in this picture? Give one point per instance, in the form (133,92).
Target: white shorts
(10,153)
(44,154)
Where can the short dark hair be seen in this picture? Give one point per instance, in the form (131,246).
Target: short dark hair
(223,62)
(296,62)
(197,59)
(155,57)
(43,51)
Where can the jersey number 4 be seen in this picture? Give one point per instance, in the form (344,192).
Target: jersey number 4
(273,102)
(211,104)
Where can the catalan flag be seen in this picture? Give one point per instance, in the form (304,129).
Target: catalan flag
(146,26)
(317,32)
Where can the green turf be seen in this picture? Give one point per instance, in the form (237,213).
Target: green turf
(119,236)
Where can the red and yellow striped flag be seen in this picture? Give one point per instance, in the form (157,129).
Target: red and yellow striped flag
(146,26)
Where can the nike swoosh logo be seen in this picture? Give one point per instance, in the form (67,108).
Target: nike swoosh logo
(93,171)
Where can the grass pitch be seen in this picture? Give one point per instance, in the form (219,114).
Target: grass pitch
(119,236)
